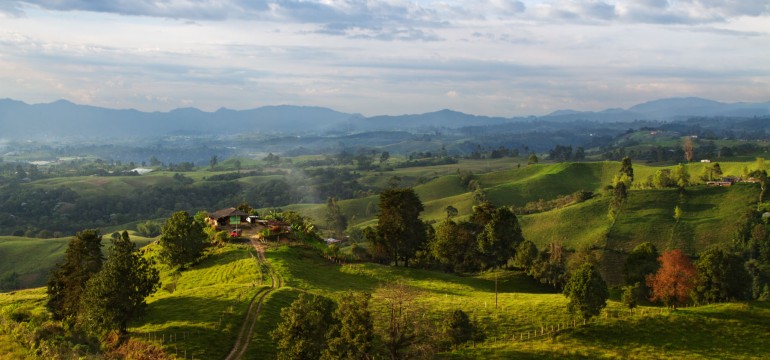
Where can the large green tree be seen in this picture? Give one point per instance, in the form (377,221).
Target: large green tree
(301,334)
(352,335)
(399,224)
(586,291)
(116,294)
(181,240)
(721,277)
(82,259)
(454,246)
(500,237)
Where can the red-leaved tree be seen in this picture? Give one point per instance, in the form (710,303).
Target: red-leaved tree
(674,280)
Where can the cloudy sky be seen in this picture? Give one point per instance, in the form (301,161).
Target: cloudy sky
(491,57)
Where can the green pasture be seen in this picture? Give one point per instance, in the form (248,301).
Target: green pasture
(32,259)
(201,315)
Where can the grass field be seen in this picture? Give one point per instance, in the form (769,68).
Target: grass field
(202,316)
(32,259)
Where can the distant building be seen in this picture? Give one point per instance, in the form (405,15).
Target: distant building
(227,217)
(705,161)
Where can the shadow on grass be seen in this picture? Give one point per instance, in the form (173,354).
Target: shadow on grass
(200,327)
(680,334)
(307,269)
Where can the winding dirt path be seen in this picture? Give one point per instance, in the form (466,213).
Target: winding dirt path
(244,335)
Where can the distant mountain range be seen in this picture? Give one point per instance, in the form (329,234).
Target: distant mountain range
(65,119)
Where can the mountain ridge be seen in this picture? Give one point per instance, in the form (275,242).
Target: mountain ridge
(68,119)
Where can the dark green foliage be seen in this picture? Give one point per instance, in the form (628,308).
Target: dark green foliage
(526,255)
(550,266)
(116,294)
(82,259)
(760,279)
(721,277)
(182,239)
(399,225)
(631,295)
(458,329)
(500,237)
(642,261)
(9,282)
(335,219)
(587,292)
(626,168)
(148,228)
(353,332)
(302,332)
(455,246)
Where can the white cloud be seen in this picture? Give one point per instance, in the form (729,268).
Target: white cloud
(496,57)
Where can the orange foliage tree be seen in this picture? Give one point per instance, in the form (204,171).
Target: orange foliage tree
(675,279)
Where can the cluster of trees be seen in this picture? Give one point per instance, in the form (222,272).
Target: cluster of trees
(94,294)
(357,327)
(563,153)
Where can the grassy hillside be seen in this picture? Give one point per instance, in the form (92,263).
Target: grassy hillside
(202,313)
(32,259)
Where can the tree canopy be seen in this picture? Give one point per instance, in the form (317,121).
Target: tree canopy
(586,291)
(116,294)
(82,259)
(182,239)
(674,280)
(399,225)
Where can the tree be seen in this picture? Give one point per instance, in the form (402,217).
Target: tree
(352,334)
(688,148)
(213,161)
(631,294)
(721,277)
(677,213)
(532,159)
(148,228)
(181,240)
(500,237)
(335,219)
(116,294)
(451,211)
(82,259)
(642,261)
(627,169)
(301,334)
(399,224)
(401,322)
(587,292)
(550,267)
(458,328)
(681,176)
(526,255)
(384,156)
(674,280)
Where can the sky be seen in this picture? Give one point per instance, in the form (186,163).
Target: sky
(373,57)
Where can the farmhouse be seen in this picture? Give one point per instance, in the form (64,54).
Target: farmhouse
(227,217)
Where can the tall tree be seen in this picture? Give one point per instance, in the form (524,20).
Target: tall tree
(301,334)
(399,223)
(674,280)
(181,240)
(455,247)
(82,259)
(116,294)
(500,237)
(642,261)
(335,219)
(352,334)
(689,149)
(587,292)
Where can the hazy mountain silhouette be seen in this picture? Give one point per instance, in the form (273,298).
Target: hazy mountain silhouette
(65,119)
